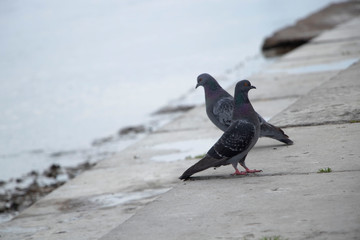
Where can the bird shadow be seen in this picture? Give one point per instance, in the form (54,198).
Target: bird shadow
(230,176)
(271,146)
(220,177)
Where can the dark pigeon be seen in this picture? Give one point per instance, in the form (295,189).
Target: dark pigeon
(238,139)
(220,105)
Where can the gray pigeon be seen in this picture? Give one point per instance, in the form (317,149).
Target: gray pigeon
(220,105)
(238,139)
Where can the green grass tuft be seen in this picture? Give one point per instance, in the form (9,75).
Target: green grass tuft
(324,170)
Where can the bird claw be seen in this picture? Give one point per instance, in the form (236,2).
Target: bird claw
(237,172)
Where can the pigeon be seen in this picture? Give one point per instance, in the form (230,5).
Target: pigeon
(237,140)
(220,105)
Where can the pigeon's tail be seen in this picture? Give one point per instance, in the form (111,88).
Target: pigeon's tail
(271,131)
(205,163)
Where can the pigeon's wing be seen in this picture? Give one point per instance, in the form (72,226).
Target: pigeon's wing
(271,131)
(223,110)
(236,139)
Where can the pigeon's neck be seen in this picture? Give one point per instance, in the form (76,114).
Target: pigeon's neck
(214,90)
(242,107)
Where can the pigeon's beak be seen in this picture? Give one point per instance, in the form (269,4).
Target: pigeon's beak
(253,87)
(197,85)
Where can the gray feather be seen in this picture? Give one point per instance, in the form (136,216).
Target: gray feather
(222,111)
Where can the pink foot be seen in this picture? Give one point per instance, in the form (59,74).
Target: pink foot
(252,170)
(237,172)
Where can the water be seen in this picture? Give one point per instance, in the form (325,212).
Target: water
(74,71)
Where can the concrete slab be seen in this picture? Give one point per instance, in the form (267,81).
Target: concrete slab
(314,64)
(331,48)
(315,206)
(335,101)
(279,85)
(289,198)
(345,32)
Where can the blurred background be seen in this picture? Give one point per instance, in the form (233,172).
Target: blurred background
(72,72)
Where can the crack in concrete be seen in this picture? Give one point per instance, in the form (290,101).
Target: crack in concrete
(333,40)
(276,98)
(312,124)
(321,56)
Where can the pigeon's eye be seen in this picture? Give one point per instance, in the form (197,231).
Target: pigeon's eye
(246,84)
(200,79)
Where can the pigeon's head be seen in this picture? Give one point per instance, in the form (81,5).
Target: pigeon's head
(243,86)
(204,80)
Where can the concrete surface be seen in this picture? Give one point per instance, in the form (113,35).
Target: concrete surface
(119,198)
(295,206)
(335,101)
